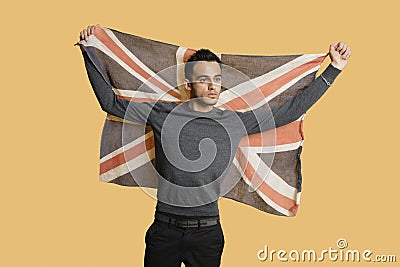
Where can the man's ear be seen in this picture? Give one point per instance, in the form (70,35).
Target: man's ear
(188,85)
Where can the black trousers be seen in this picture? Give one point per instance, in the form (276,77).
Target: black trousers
(168,245)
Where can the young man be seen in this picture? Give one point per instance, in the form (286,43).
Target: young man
(195,144)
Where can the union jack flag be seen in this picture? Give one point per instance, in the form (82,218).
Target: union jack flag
(127,61)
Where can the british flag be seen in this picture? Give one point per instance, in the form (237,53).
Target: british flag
(127,61)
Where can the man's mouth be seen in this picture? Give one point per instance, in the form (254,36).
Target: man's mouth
(212,95)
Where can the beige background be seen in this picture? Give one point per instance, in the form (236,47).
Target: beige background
(54,212)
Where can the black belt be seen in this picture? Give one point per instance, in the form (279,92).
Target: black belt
(186,223)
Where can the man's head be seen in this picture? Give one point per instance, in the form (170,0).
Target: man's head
(203,76)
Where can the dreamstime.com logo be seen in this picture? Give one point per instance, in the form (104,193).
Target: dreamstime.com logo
(341,254)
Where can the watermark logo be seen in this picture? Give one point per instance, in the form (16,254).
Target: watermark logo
(341,243)
(342,253)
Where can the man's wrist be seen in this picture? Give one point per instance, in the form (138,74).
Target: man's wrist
(337,65)
(330,73)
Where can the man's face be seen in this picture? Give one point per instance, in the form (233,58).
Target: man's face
(205,82)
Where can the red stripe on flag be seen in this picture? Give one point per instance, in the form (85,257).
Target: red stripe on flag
(188,53)
(286,134)
(251,98)
(255,179)
(127,155)
(110,44)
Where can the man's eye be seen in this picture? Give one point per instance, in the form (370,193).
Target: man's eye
(202,80)
(218,79)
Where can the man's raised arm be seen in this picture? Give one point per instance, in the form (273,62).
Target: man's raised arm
(261,119)
(135,111)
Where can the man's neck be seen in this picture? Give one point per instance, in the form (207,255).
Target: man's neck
(199,106)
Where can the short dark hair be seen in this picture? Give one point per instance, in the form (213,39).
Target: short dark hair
(202,54)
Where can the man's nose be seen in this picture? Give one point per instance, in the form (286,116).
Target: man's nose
(212,85)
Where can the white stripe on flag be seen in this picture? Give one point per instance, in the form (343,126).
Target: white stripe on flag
(298,198)
(264,197)
(127,146)
(267,175)
(95,42)
(137,61)
(180,68)
(248,86)
(140,94)
(277,148)
(127,167)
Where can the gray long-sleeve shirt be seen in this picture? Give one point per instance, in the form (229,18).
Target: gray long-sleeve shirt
(193,149)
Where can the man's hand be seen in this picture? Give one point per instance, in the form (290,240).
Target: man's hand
(339,53)
(84,34)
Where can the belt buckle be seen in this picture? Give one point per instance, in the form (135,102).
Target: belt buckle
(184,224)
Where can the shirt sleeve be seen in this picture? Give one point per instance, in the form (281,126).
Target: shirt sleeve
(263,119)
(138,112)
